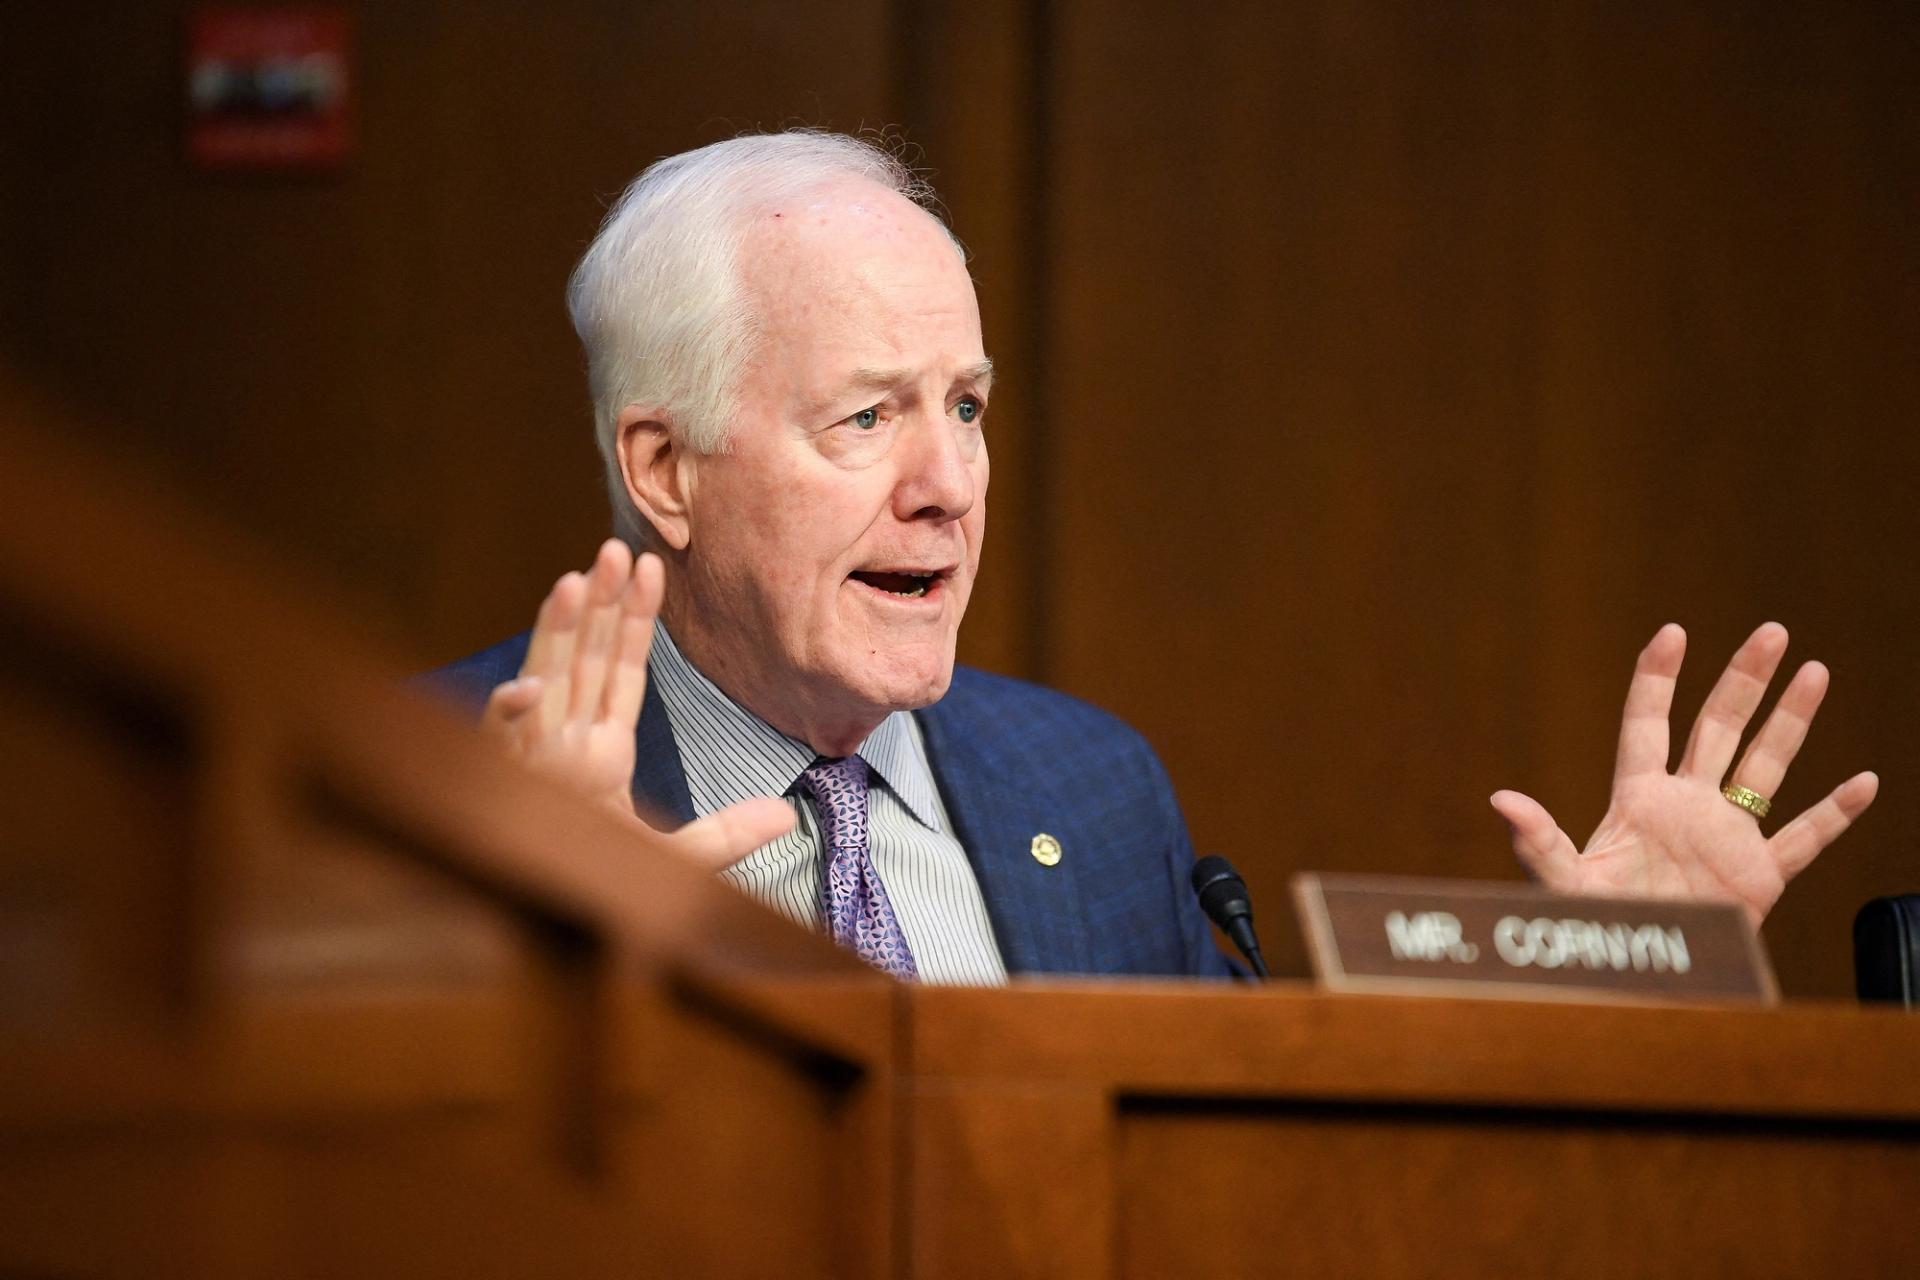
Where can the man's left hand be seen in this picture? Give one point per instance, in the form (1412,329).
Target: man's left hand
(1674,835)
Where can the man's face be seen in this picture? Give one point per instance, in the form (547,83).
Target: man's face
(833,543)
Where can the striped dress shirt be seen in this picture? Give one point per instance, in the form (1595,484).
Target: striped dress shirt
(730,754)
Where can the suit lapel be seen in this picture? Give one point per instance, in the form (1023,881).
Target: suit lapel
(659,781)
(1035,909)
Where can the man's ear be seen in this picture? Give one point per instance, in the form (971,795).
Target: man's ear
(654,465)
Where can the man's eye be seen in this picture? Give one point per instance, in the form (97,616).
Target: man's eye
(865,420)
(968,409)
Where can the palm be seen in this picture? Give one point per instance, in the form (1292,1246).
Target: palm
(572,710)
(571,713)
(1673,835)
(596,756)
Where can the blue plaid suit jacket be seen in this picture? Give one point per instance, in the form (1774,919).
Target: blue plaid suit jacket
(1012,760)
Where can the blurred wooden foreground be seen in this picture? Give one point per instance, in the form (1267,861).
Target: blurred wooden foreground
(299,978)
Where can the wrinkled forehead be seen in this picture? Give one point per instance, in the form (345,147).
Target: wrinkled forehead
(833,242)
(845,203)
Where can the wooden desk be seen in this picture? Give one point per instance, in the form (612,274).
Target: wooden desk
(1171,1129)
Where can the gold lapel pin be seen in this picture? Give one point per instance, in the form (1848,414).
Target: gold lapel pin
(1046,850)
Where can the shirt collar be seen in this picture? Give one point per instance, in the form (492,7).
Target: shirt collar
(730,754)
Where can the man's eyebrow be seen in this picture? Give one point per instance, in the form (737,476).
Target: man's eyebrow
(877,379)
(894,377)
(862,379)
(874,379)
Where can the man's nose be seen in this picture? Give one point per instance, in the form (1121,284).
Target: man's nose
(936,475)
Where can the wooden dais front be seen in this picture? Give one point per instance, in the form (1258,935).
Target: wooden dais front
(1152,1130)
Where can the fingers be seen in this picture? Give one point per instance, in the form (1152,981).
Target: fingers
(510,701)
(600,628)
(640,604)
(1538,842)
(1735,697)
(1771,753)
(1800,841)
(579,636)
(550,651)
(727,835)
(1644,740)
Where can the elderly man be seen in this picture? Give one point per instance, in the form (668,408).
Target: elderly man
(791,391)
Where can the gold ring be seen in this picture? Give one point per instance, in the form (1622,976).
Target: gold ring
(1747,798)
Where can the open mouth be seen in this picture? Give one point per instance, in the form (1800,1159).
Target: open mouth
(910,583)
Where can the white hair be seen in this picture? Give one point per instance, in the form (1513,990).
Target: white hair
(658,302)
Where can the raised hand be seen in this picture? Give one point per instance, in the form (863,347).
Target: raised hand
(1674,835)
(572,710)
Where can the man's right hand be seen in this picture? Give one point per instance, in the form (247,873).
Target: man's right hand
(572,710)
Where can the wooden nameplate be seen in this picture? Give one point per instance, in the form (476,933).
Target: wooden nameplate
(1484,938)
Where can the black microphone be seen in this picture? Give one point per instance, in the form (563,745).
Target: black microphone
(1223,896)
(1886,950)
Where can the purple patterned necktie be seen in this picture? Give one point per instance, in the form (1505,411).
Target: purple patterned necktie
(852,898)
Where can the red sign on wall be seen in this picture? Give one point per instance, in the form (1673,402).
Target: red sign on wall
(269,88)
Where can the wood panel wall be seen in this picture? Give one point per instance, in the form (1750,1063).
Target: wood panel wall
(375,370)
(1378,375)
(1414,363)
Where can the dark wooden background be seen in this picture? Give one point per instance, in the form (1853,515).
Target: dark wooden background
(1376,377)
